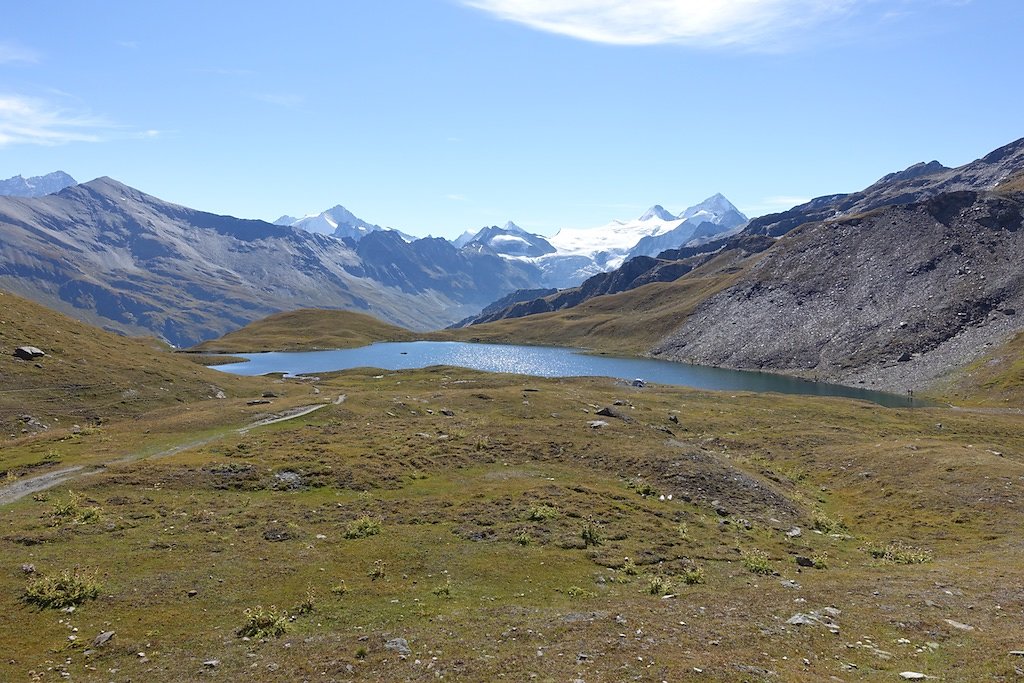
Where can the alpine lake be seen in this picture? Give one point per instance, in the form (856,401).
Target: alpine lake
(546,361)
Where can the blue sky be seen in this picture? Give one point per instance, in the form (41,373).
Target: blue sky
(437,116)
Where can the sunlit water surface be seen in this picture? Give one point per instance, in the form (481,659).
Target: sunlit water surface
(544,361)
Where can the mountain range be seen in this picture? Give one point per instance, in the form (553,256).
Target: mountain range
(130,262)
(117,257)
(36,186)
(572,255)
(893,286)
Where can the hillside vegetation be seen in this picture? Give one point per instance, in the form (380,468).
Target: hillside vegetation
(625,323)
(305,330)
(96,395)
(995,379)
(449,523)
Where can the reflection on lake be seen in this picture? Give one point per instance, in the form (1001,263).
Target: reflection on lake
(544,361)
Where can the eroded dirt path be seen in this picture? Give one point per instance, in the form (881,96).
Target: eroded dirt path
(29,485)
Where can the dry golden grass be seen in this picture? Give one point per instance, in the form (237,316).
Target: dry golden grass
(260,519)
(96,396)
(996,379)
(630,322)
(307,329)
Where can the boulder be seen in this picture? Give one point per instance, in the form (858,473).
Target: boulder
(28,352)
(102,638)
(399,645)
(611,411)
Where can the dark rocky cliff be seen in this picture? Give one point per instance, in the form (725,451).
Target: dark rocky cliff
(892,298)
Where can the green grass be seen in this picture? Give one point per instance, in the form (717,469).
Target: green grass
(213,520)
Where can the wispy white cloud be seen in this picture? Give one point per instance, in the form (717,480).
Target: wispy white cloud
(128,44)
(748,23)
(26,120)
(10,53)
(33,121)
(457,197)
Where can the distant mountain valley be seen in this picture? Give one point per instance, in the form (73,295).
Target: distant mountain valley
(132,263)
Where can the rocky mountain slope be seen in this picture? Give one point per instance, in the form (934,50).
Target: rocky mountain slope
(111,255)
(36,186)
(920,181)
(670,265)
(892,292)
(892,298)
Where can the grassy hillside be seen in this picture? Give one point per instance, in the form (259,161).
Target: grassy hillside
(626,323)
(483,521)
(305,330)
(95,394)
(1014,183)
(995,379)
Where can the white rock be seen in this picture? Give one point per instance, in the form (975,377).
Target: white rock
(959,625)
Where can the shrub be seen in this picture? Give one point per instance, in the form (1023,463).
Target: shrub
(364,527)
(641,487)
(340,588)
(693,575)
(70,587)
(542,513)
(683,530)
(523,537)
(379,570)
(820,560)
(263,622)
(899,552)
(72,510)
(629,567)
(577,592)
(659,585)
(825,524)
(757,562)
(445,589)
(308,603)
(590,532)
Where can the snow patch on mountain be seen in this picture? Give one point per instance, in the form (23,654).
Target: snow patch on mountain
(579,253)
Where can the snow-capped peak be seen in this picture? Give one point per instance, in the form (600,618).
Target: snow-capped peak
(512,227)
(657,212)
(716,205)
